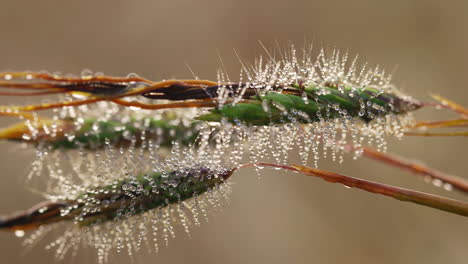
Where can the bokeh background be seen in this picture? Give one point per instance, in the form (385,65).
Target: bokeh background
(281,218)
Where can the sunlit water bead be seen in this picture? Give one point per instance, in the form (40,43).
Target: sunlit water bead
(36,167)
(438,183)
(7,77)
(33,129)
(238,146)
(86,74)
(19,233)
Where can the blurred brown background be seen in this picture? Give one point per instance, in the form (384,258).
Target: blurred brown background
(281,218)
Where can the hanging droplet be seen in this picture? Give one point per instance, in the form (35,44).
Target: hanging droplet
(19,233)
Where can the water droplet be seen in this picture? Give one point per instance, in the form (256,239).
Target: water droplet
(448,186)
(86,74)
(132,75)
(437,182)
(43,209)
(19,233)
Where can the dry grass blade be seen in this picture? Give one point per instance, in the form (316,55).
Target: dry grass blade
(442,124)
(451,105)
(438,134)
(457,183)
(18,114)
(448,104)
(429,200)
(95,89)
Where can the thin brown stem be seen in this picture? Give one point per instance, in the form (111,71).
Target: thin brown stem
(429,200)
(441,124)
(437,134)
(30,93)
(446,103)
(115,98)
(49,77)
(18,114)
(187,104)
(402,194)
(457,183)
(286,167)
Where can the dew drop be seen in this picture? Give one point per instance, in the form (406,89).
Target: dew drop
(19,233)
(132,75)
(43,209)
(448,187)
(437,182)
(86,74)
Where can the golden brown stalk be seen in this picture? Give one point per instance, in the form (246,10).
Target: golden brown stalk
(41,214)
(451,105)
(19,130)
(457,183)
(429,200)
(437,134)
(402,194)
(95,88)
(441,124)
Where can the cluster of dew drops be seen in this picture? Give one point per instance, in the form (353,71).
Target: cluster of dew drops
(317,139)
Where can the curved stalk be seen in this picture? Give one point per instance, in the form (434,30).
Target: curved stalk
(402,194)
(457,183)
